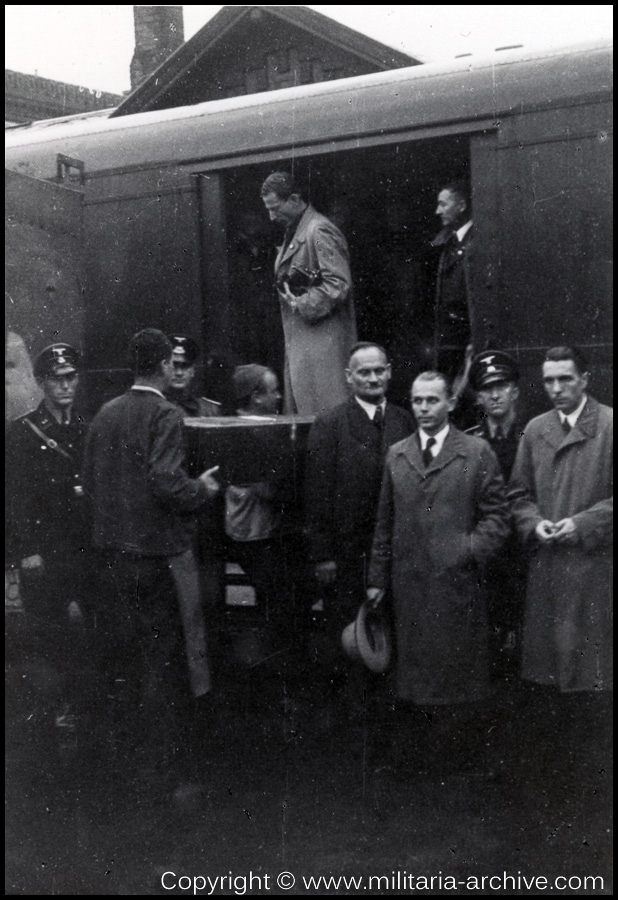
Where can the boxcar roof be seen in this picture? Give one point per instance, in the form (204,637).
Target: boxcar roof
(323,114)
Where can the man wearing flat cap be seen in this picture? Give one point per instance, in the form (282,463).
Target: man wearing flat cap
(46,522)
(181,390)
(494,376)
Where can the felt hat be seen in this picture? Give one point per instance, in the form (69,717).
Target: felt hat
(368,638)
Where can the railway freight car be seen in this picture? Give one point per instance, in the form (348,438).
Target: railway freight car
(169,228)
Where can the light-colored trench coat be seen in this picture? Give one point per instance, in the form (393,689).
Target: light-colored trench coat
(320,331)
(436,528)
(567,639)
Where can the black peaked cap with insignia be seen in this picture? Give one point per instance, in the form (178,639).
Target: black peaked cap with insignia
(56,357)
(490,367)
(184,347)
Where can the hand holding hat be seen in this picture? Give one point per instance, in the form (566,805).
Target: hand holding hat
(368,637)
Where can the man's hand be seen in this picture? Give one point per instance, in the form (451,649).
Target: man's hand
(286,294)
(375,596)
(32,564)
(545,531)
(326,572)
(209,479)
(565,532)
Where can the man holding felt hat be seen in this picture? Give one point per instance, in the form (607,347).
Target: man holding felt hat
(442,515)
(46,523)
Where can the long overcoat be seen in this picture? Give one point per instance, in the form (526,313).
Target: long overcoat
(567,621)
(320,331)
(436,528)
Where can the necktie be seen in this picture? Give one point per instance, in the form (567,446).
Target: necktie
(499,436)
(566,426)
(378,418)
(65,417)
(427,454)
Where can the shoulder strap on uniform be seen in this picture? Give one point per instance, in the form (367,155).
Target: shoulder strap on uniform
(50,442)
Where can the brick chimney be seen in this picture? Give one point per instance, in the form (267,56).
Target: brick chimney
(159,30)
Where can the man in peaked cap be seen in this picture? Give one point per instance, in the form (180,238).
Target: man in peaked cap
(494,376)
(46,524)
(209,538)
(180,391)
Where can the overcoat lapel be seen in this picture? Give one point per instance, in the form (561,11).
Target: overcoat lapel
(585,428)
(299,237)
(451,449)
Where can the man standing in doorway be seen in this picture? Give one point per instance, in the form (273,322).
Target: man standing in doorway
(454,308)
(314,286)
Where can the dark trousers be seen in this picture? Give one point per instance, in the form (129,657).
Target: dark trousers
(272,567)
(143,675)
(339,680)
(51,635)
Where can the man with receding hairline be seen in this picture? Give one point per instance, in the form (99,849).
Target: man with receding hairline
(442,514)
(454,303)
(314,287)
(345,456)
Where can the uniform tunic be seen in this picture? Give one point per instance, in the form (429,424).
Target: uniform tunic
(46,517)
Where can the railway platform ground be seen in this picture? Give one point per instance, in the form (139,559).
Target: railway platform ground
(283,788)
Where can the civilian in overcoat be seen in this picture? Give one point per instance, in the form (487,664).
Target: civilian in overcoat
(439,521)
(568,617)
(314,286)
(345,461)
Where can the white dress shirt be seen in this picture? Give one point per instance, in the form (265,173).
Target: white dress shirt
(462,232)
(370,408)
(439,439)
(574,416)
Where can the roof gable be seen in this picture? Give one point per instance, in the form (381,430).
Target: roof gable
(247,49)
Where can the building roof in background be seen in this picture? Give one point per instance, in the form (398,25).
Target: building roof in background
(247,49)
